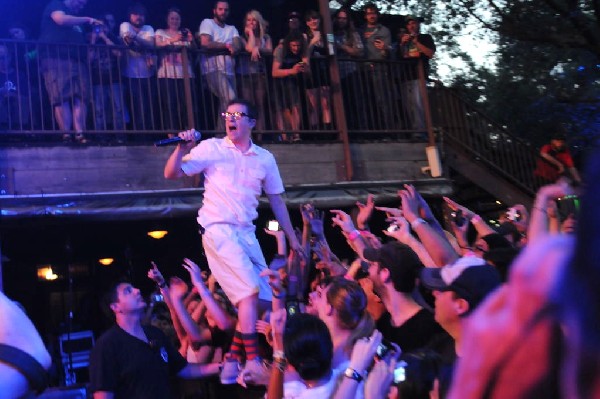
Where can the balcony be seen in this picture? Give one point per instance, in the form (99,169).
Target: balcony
(360,136)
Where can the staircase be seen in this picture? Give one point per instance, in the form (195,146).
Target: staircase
(478,149)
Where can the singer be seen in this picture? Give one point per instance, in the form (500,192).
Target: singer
(236,172)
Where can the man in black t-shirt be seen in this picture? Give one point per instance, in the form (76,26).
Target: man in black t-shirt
(418,48)
(134,361)
(394,269)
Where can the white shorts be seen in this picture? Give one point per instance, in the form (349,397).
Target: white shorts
(236,259)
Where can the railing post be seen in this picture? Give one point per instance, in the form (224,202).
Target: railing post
(187,90)
(336,88)
(424,96)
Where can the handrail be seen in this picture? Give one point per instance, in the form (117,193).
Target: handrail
(468,129)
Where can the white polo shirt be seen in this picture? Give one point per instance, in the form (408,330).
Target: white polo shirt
(233,181)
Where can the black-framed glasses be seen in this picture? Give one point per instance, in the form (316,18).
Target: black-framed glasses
(236,115)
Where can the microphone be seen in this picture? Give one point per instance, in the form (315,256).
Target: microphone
(176,140)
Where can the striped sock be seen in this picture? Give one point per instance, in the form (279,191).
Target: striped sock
(237,346)
(250,345)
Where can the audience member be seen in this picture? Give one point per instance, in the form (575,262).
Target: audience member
(458,289)
(394,270)
(420,48)
(289,65)
(556,160)
(139,67)
(252,66)
(64,71)
(109,102)
(135,361)
(217,64)
(24,360)
(349,47)
(171,70)
(377,40)
(317,81)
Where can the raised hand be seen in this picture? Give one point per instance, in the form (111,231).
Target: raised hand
(316,223)
(402,234)
(177,288)
(364,212)
(155,275)
(343,220)
(194,270)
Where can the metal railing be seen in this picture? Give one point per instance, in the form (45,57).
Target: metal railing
(130,93)
(464,126)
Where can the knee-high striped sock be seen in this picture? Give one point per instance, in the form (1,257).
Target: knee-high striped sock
(250,345)
(237,346)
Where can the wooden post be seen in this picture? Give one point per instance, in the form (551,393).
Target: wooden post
(336,87)
(187,90)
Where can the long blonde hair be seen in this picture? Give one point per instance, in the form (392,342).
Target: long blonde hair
(262,23)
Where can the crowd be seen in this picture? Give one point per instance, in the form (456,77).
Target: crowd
(133,74)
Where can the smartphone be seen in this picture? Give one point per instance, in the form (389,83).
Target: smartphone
(292,307)
(154,298)
(568,205)
(400,372)
(513,215)
(393,227)
(273,225)
(383,348)
(458,218)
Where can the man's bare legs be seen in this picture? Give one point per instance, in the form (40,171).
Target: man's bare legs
(68,114)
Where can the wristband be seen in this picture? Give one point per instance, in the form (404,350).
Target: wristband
(280,363)
(278,354)
(353,374)
(417,222)
(353,235)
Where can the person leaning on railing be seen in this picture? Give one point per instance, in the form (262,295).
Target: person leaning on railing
(65,76)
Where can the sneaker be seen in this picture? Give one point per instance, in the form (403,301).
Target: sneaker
(230,371)
(255,372)
(80,139)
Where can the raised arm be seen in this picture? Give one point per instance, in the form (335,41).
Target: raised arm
(283,217)
(173,166)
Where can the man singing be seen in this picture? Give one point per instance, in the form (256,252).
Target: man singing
(236,171)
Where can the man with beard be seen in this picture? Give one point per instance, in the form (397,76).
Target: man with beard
(217,65)
(66,79)
(134,361)
(394,269)
(139,66)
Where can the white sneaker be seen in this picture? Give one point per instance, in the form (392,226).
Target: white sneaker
(230,371)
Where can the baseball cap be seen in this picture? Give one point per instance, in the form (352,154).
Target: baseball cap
(470,277)
(400,260)
(411,18)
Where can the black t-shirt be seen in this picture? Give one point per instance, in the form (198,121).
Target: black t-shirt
(444,345)
(427,41)
(131,368)
(51,32)
(413,334)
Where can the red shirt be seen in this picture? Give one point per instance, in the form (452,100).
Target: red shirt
(548,171)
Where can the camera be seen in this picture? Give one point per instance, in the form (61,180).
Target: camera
(400,372)
(393,227)
(185,31)
(273,225)
(458,218)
